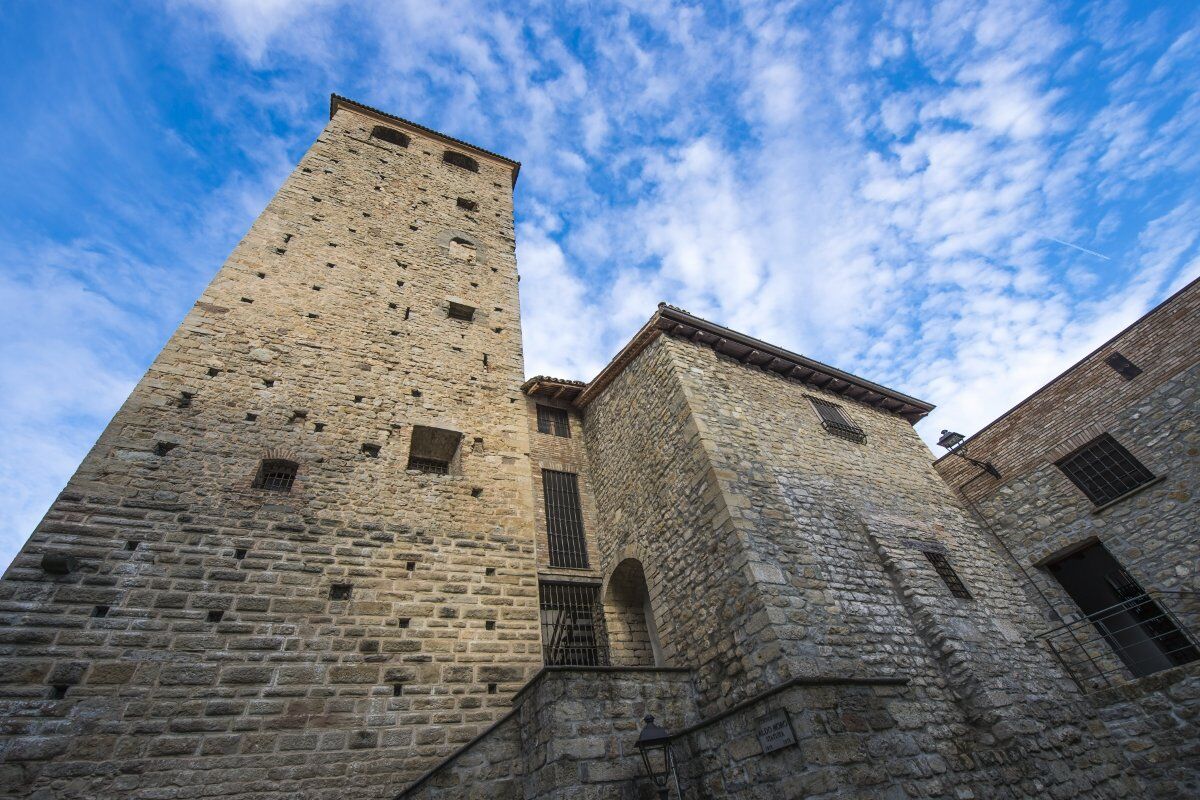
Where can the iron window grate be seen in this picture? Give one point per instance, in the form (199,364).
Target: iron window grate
(431,466)
(572,625)
(564,520)
(946,572)
(1104,470)
(276,475)
(834,420)
(553,421)
(1123,366)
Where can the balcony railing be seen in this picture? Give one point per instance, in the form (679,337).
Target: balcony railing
(1136,637)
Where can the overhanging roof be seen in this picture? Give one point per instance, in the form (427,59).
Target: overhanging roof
(336,101)
(746,349)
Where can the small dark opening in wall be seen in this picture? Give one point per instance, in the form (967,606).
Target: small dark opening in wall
(299,415)
(132,545)
(476,491)
(340,591)
(162,448)
(389,135)
(239,553)
(485,359)
(247,300)
(392,305)
(397,689)
(316,288)
(491,688)
(185,399)
(394,333)
(281,250)
(400,284)
(407,311)
(490,625)
(267,382)
(287,237)
(318,427)
(330,264)
(213,372)
(251,417)
(404,622)
(59,690)
(467,205)
(416,392)
(460,160)
(215,615)
(1123,366)
(410,566)
(312,316)
(100,611)
(460,311)
(261,274)
(358,398)
(370,450)
(490,571)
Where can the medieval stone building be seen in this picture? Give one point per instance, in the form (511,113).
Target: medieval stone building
(335,546)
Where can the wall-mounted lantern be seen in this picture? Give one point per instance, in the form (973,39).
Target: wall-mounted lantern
(655,746)
(954,443)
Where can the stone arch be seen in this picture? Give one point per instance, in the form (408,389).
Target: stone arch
(629,617)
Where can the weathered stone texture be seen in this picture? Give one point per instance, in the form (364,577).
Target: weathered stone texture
(326,330)
(1040,515)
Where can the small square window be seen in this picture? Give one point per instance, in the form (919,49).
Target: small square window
(554,421)
(460,311)
(131,545)
(340,591)
(370,450)
(1104,470)
(403,622)
(835,421)
(276,475)
(466,205)
(100,611)
(490,625)
(215,615)
(239,553)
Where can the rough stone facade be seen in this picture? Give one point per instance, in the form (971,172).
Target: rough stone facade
(1151,533)
(758,533)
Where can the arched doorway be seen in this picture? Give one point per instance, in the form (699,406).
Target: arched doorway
(632,634)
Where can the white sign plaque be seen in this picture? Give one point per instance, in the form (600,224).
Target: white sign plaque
(775,731)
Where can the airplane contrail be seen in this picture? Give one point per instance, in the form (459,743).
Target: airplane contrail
(1077,247)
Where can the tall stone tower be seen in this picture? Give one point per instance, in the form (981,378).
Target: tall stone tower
(300,558)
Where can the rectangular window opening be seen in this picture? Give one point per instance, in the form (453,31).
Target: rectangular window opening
(564,520)
(554,421)
(1123,366)
(340,591)
(100,611)
(835,421)
(572,625)
(1104,470)
(466,205)
(215,616)
(946,572)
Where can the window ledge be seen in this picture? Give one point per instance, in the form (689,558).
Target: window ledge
(1129,494)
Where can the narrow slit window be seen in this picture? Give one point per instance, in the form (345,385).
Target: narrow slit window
(946,572)
(1104,470)
(835,421)
(564,520)
(276,475)
(553,421)
(572,625)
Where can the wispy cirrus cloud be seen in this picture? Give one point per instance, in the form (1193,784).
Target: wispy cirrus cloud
(885,187)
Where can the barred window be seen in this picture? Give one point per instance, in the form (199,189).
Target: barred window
(942,565)
(1104,470)
(389,135)
(1123,366)
(430,466)
(276,474)
(564,520)
(460,160)
(572,625)
(834,420)
(553,421)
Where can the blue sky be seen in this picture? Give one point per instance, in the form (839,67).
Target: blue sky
(956,199)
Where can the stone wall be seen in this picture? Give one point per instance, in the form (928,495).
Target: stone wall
(1040,515)
(197,649)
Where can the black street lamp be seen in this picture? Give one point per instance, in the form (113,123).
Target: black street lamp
(655,746)
(954,443)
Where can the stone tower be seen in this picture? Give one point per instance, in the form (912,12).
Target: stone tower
(300,557)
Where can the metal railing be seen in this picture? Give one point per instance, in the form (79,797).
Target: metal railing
(1133,638)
